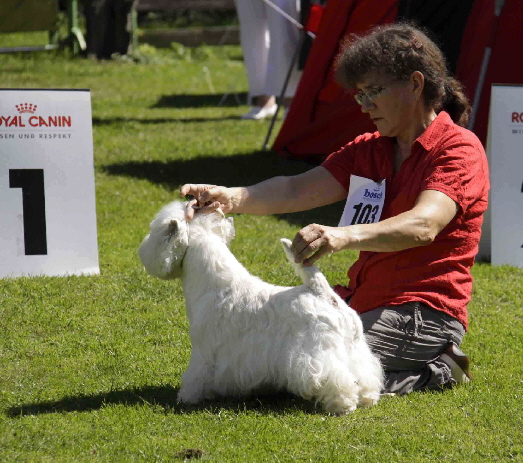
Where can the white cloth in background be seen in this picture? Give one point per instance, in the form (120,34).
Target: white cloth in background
(269,42)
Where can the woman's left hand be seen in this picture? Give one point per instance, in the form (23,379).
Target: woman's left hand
(314,241)
(417,227)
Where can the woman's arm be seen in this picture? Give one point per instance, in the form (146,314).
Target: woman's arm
(314,188)
(417,227)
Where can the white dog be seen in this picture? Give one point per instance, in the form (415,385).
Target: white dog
(247,334)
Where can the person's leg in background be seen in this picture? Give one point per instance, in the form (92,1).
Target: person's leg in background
(285,38)
(255,42)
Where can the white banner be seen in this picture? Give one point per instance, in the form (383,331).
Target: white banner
(47,193)
(505,153)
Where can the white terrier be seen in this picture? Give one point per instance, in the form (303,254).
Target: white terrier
(249,335)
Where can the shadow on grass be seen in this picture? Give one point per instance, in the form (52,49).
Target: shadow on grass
(165,397)
(200,101)
(240,169)
(98,121)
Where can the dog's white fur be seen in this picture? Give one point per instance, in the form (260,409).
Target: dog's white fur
(247,334)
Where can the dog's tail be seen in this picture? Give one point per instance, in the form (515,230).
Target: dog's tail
(311,276)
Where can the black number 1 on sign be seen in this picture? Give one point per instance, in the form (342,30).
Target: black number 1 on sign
(31,181)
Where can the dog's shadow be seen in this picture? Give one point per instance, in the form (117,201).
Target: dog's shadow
(164,398)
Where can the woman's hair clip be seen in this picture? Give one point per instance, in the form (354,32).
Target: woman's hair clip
(416,44)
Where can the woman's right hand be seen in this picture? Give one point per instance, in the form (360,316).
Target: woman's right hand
(209,198)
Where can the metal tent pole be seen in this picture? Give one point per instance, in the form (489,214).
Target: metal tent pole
(484,65)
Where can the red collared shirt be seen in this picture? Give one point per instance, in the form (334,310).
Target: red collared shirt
(447,158)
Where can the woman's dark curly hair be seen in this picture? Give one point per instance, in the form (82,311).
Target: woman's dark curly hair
(398,50)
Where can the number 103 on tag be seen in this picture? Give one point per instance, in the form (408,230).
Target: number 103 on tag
(365,201)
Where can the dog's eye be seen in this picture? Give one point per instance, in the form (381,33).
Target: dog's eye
(173,227)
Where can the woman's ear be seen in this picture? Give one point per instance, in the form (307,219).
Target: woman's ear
(417,79)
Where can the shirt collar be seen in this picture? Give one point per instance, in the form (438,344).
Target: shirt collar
(434,131)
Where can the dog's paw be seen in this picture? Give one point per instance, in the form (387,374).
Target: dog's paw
(340,404)
(340,409)
(369,399)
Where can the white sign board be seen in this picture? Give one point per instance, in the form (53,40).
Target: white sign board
(505,152)
(47,194)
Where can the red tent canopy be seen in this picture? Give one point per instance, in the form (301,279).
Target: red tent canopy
(504,38)
(323,116)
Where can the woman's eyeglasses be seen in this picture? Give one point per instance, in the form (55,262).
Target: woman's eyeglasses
(371,94)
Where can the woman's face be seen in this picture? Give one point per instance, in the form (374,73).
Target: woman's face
(390,103)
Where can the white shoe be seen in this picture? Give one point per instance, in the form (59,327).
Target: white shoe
(257,112)
(458,363)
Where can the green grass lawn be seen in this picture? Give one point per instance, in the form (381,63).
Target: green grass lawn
(90,366)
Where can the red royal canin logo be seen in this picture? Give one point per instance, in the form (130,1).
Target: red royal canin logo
(517,117)
(22,120)
(26,108)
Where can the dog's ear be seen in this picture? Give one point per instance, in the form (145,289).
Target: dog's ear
(173,227)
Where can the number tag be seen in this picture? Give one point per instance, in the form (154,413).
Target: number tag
(364,201)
